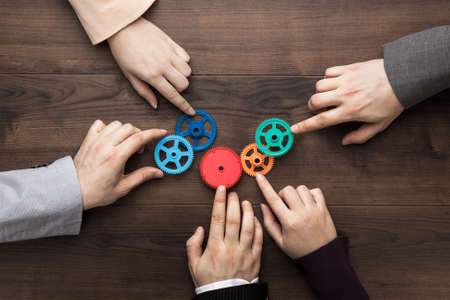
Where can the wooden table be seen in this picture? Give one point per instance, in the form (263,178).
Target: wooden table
(251,60)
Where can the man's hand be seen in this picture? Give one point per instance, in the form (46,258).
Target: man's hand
(302,224)
(234,246)
(147,55)
(100,162)
(357,92)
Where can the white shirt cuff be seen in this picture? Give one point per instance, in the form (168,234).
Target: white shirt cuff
(223,284)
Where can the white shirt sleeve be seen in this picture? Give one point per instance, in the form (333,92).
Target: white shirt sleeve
(223,284)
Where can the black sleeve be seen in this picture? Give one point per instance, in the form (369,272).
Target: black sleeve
(418,65)
(254,291)
(330,274)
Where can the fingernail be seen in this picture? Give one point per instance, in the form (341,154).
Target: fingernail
(259,176)
(191,111)
(159,174)
(245,203)
(345,143)
(163,131)
(197,231)
(221,189)
(294,128)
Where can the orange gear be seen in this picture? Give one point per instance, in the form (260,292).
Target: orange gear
(253,161)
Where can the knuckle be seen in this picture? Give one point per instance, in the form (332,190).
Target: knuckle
(116,123)
(320,84)
(185,84)
(171,94)
(290,224)
(128,127)
(313,103)
(152,75)
(233,221)
(217,219)
(321,120)
(189,243)
(316,190)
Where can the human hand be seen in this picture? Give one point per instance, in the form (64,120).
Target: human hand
(100,162)
(356,92)
(228,254)
(304,224)
(146,55)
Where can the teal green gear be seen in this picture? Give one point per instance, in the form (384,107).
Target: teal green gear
(274,137)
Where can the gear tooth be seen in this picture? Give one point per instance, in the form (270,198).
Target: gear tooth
(276,132)
(190,132)
(266,168)
(185,143)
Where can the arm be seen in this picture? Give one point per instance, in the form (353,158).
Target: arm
(228,268)
(376,92)
(144,53)
(101,19)
(49,201)
(300,224)
(418,65)
(40,202)
(329,272)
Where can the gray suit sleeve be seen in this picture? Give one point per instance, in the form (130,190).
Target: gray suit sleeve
(40,202)
(418,65)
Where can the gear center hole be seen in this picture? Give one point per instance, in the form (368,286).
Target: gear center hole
(274,137)
(257,161)
(221,168)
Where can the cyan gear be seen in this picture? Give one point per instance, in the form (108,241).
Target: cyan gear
(171,162)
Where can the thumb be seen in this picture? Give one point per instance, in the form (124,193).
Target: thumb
(194,247)
(362,134)
(132,180)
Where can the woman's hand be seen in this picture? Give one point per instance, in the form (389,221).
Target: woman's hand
(147,56)
(357,92)
(302,224)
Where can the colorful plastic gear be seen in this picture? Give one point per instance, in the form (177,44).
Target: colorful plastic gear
(220,166)
(196,129)
(253,161)
(274,134)
(173,156)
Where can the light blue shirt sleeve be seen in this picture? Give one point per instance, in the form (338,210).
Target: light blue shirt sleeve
(40,202)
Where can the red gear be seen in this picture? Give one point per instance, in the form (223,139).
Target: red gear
(221,166)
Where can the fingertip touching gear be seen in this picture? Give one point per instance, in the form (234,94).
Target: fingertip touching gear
(253,161)
(274,137)
(174,154)
(197,131)
(220,166)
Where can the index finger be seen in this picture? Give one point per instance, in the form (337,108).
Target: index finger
(328,118)
(217,228)
(135,142)
(278,206)
(171,94)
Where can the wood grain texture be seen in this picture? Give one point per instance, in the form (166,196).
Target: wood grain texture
(129,252)
(44,117)
(391,195)
(223,37)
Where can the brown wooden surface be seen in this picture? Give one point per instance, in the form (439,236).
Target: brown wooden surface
(391,195)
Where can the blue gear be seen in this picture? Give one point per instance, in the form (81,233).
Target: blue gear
(174,154)
(197,131)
